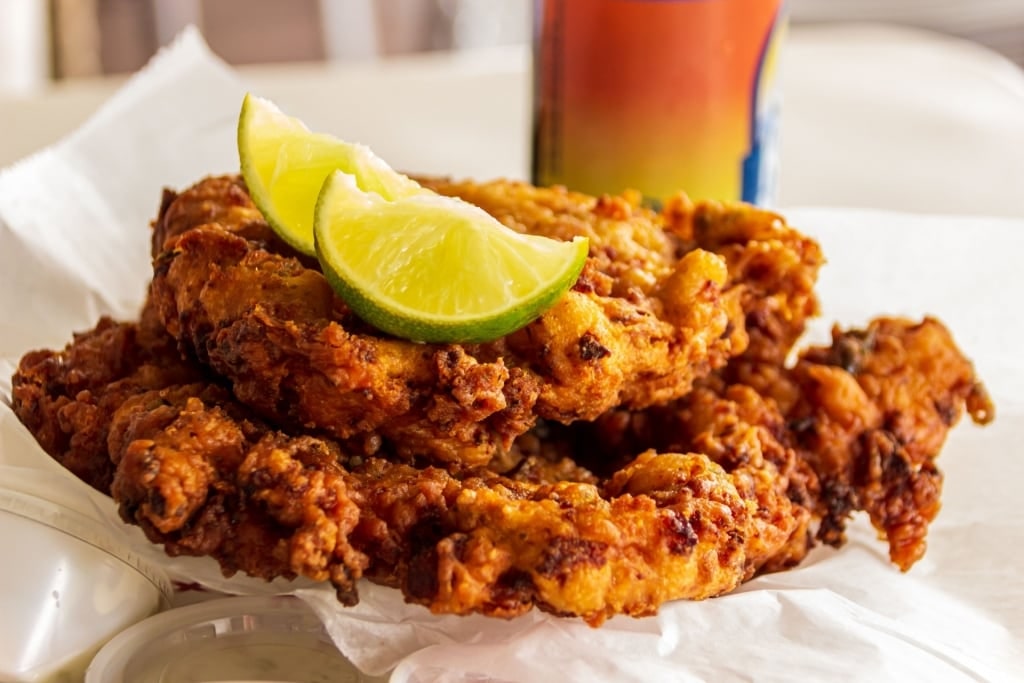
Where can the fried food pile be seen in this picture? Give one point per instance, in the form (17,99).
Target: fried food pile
(644,440)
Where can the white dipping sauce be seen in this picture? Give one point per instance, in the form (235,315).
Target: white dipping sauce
(230,640)
(281,658)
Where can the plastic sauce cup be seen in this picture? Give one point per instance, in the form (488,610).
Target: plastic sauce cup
(69,585)
(230,640)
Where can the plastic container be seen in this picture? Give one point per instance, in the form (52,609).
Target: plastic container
(229,640)
(68,582)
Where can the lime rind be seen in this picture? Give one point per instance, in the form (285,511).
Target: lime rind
(526,274)
(285,164)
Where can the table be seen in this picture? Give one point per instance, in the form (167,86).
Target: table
(874,116)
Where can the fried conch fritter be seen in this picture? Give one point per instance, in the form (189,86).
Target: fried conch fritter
(643,441)
(641,324)
(203,475)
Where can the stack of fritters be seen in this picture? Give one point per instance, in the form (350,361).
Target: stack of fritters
(644,440)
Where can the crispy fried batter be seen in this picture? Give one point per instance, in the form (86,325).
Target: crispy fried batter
(745,434)
(200,474)
(250,417)
(875,408)
(293,352)
(203,476)
(866,418)
(67,398)
(774,265)
(666,527)
(223,200)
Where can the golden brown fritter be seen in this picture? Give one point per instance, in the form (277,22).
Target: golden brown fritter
(223,200)
(859,428)
(291,350)
(666,527)
(875,408)
(67,398)
(203,476)
(774,266)
(637,448)
(745,434)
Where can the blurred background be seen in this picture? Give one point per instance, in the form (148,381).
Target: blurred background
(42,41)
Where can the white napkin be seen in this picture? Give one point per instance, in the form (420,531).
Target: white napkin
(73,245)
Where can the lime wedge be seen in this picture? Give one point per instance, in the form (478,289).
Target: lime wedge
(436,269)
(284,165)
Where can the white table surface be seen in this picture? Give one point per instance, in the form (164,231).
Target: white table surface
(873,116)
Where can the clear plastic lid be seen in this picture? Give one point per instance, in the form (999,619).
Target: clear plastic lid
(229,640)
(72,585)
(85,529)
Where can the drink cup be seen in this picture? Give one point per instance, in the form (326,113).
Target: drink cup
(658,96)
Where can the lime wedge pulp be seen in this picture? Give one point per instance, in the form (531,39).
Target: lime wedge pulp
(284,164)
(436,269)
